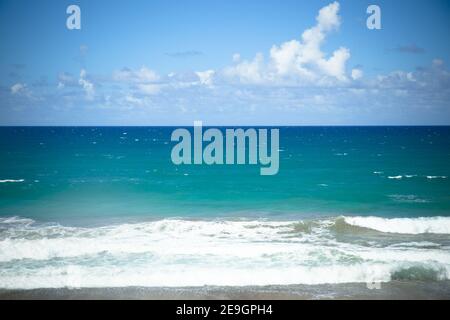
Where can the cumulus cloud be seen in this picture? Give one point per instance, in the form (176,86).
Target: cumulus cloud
(357,74)
(130,99)
(301,61)
(149,88)
(206,77)
(66,79)
(434,78)
(18,88)
(142,75)
(248,71)
(399,97)
(87,86)
(147,82)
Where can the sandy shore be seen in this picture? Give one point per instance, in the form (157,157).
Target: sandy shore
(391,290)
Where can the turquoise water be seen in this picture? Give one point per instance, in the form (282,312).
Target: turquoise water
(85,173)
(106,207)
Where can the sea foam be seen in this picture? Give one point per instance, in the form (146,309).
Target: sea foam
(403,225)
(176,252)
(12,180)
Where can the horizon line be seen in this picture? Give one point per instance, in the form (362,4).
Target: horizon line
(224,125)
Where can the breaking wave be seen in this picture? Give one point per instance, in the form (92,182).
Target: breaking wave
(12,180)
(440,225)
(176,252)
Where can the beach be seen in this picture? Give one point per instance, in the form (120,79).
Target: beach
(351,291)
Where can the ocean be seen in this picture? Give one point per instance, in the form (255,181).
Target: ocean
(97,207)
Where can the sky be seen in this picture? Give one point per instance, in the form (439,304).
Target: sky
(224,62)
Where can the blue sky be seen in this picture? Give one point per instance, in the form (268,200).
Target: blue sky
(224,62)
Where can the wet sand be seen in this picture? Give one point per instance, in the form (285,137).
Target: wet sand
(348,291)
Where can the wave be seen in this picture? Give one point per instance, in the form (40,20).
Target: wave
(177,252)
(408,176)
(399,177)
(407,198)
(439,225)
(12,180)
(75,276)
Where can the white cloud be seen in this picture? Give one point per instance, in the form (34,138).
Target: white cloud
(335,65)
(133,100)
(65,77)
(285,58)
(149,88)
(299,61)
(144,80)
(87,86)
(236,57)
(357,74)
(206,77)
(142,75)
(19,88)
(435,77)
(247,71)
(328,18)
